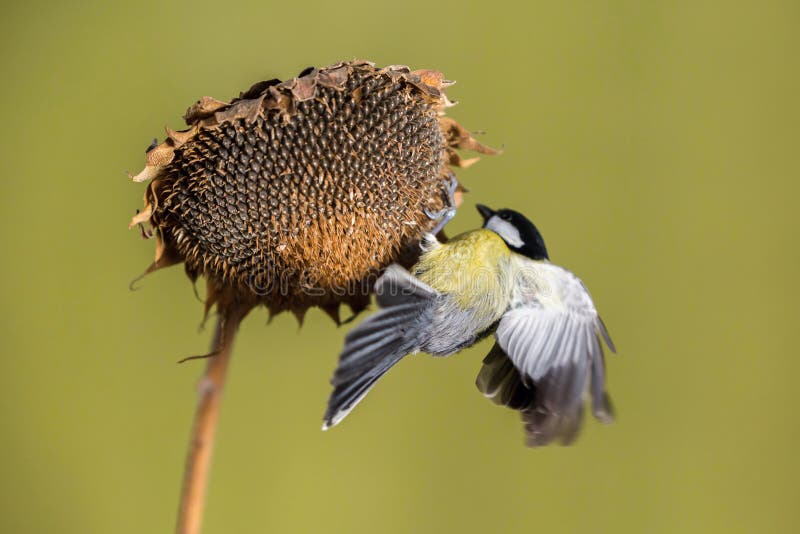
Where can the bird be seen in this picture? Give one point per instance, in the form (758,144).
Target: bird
(496,280)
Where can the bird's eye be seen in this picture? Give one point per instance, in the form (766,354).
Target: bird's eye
(505,216)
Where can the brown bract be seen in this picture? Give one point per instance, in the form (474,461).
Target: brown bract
(298,193)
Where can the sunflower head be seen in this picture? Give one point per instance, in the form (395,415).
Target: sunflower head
(298,193)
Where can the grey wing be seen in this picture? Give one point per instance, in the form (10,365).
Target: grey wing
(552,338)
(501,382)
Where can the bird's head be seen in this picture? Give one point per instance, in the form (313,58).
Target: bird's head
(516,230)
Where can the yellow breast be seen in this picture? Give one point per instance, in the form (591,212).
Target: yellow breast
(472,267)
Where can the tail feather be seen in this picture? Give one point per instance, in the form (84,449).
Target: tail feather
(349,392)
(381,341)
(370,335)
(378,322)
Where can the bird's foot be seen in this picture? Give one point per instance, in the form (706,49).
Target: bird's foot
(445,214)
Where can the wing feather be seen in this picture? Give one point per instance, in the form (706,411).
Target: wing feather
(551,336)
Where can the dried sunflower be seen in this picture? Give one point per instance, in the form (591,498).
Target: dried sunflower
(296,194)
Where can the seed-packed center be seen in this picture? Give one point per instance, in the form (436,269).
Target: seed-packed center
(238,198)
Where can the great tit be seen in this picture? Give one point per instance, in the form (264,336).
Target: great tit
(494,280)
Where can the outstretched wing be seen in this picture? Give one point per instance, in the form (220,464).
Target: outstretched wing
(551,335)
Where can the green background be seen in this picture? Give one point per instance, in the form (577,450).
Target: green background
(654,143)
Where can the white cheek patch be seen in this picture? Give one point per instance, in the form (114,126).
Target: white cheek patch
(506,230)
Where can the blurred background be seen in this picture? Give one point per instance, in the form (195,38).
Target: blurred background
(654,144)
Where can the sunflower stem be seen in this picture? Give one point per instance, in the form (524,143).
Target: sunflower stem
(201,444)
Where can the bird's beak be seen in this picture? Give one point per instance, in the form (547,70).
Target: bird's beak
(485,211)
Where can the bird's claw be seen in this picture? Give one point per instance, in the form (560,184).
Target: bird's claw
(451,187)
(445,214)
